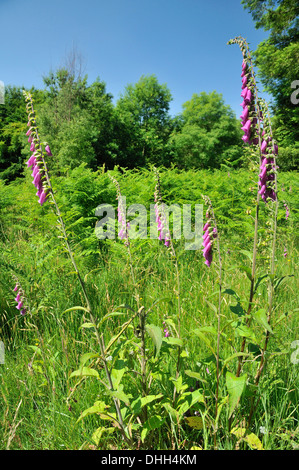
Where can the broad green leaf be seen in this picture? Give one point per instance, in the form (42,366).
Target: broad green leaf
(235,387)
(246,332)
(237,309)
(188,399)
(120,395)
(253,441)
(174,414)
(238,432)
(261,317)
(97,435)
(247,253)
(173,341)
(117,372)
(152,423)
(178,383)
(84,372)
(246,270)
(98,407)
(85,357)
(195,375)
(156,335)
(194,422)
(138,404)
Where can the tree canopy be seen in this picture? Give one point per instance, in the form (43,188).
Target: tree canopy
(277,59)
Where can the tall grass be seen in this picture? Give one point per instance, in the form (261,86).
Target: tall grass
(41,403)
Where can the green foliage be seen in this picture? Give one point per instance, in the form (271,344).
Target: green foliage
(210,133)
(64,391)
(277,59)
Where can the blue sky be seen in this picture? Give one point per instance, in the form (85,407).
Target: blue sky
(182,42)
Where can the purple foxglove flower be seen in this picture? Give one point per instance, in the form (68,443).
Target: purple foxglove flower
(17,299)
(248,96)
(35,171)
(244,92)
(285,254)
(39,192)
(245,138)
(28,132)
(207,249)
(47,149)
(246,127)
(23,311)
(244,115)
(264,146)
(244,81)
(37,179)
(42,198)
(209,258)
(16,288)
(30,139)
(31,161)
(287,211)
(262,190)
(121,234)
(32,148)
(20,305)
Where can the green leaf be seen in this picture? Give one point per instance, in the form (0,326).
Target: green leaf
(85,357)
(97,435)
(246,270)
(154,422)
(120,395)
(87,325)
(235,387)
(246,332)
(140,402)
(76,308)
(212,306)
(253,441)
(156,335)
(195,375)
(188,399)
(261,317)
(84,372)
(203,337)
(247,253)
(237,309)
(98,407)
(117,372)
(173,341)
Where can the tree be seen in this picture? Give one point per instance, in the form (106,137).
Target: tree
(144,123)
(277,59)
(210,133)
(13,121)
(77,120)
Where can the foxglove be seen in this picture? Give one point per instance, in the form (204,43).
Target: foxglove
(37,159)
(161,218)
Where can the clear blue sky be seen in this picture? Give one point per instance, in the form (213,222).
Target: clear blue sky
(182,42)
